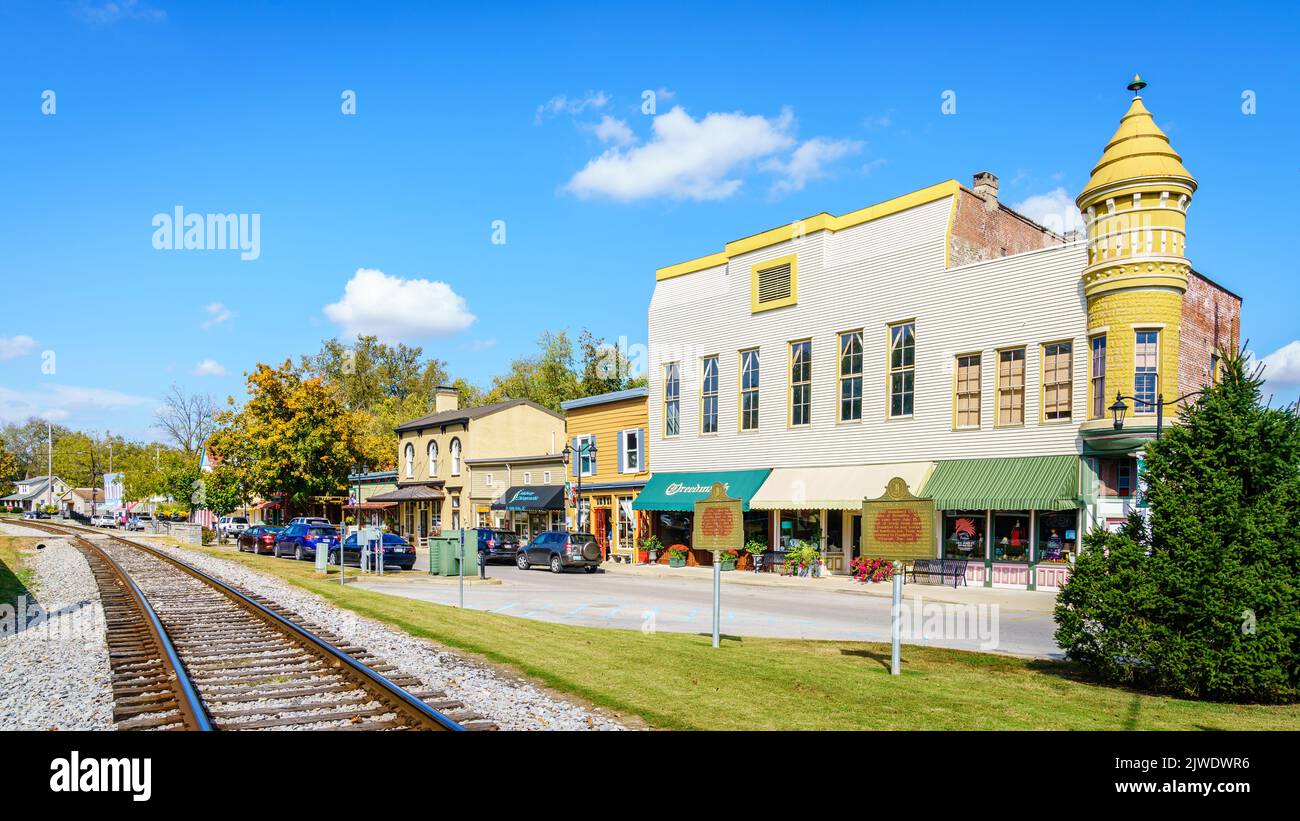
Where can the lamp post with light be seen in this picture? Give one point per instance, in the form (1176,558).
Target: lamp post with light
(587,448)
(1119,409)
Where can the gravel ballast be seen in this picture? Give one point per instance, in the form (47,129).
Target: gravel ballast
(513,704)
(55,674)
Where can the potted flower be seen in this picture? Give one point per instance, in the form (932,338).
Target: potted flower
(756,548)
(677,555)
(871,570)
(728,558)
(650,547)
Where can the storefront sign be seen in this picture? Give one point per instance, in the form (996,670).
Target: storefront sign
(898,525)
(719,521)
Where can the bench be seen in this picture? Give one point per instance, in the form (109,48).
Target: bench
(943,568)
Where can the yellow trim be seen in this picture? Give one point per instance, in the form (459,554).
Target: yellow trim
(1139,409)
(1042,382)
(956,366)
(740,389)
(889,368)
(839,375)
(821,222)
(767,265)
(789,383)
(699,428)
(997,388)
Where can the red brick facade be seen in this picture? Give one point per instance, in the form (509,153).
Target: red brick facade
(1211,322)
(985,229)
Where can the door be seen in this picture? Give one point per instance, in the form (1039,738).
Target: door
(601,530)
(856,544)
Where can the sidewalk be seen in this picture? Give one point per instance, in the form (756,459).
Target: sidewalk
(1035,601)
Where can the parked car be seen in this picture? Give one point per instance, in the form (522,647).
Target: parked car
(134,523)
(397,552)
(497,544)
(103,520)
(310,520)
(229,526)
(559,549)
(35,514)
(259,538)
(302,540)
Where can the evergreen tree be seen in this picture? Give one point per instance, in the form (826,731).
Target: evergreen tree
(1207,605)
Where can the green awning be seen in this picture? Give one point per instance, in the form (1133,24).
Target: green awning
(680,491)
(1013,483)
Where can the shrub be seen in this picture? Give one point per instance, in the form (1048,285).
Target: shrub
(209,535)
(1205,604)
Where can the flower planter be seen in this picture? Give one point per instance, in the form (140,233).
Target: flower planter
(672,562)
(731,565)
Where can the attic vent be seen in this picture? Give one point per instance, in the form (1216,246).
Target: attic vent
(775,284)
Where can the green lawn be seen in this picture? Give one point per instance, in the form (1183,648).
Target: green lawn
(677,681)
(15,580)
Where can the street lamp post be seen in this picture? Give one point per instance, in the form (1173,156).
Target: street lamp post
(585,448)
(1119,409)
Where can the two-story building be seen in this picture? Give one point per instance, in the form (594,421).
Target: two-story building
(610,462)
(524,493)
(35,493)
(936,364)
(434,453)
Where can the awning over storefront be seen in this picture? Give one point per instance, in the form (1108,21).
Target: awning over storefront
(531,497)
(680,491)
(834,488)
(410,493)
(1013,483)
(371,506)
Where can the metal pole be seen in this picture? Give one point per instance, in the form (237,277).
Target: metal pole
(896,619)
(49,473)
(717,598)
(461,563)
(1160,415)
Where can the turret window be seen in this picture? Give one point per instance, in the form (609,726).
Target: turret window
(1098,377)
(1146,372)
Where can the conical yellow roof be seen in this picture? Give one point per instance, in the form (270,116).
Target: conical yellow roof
(1139,149)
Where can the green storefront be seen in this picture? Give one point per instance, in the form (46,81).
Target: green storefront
(669,499)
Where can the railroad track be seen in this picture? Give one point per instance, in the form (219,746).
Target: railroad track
(191,652)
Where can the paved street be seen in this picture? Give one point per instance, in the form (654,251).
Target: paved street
(1013,621)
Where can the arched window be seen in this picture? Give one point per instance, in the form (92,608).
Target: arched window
(455,457)
(410,461)
(433,460)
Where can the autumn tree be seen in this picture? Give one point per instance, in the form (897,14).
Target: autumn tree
(293,436)
(8,469)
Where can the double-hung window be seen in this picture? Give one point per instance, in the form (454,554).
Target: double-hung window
(851,376)
(709,395)
(1098,377)
(630,442)
(1011,387)
(672,398)
(749,389)
(1146,364)
(800,383)
(967,391)
(902,368)
(1058,387)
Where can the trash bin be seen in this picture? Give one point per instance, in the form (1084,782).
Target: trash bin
(444,553)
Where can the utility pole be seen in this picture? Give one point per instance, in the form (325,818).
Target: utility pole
(49,471)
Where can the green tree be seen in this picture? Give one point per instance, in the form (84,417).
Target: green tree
(8,469)
(224,490)
(1206,605)
(28,441)
(547,378)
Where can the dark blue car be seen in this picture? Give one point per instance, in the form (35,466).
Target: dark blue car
(397,552)
(301,541)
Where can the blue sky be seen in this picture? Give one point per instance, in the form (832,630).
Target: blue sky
(467,116)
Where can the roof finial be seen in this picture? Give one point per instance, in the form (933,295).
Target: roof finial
(1137,85)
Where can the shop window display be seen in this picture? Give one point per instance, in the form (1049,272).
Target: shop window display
(1011,537)
(1057,535)
(963,534)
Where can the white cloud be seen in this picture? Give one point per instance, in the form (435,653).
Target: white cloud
(12,347)
(561,104)
(685,158)
(59,402)
(808,162)
(217,314)
(613,130)
(209,367)
(481,344)
(1054,210)
(115,10)
(1282,372)
(394,309)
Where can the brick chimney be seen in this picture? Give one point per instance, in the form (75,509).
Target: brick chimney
(986,188)
(445,399)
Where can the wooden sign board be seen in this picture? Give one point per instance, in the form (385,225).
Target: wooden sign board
(719,521)
(898,525)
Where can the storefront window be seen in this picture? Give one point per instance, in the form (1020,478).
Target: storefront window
(1011,536)
(757,523)
(834,531)
(1057,535)
(963,534)
(626,524)
(801,525)
(674,527)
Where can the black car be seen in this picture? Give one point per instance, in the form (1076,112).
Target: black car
(497,544)
(397,552)
(558,549)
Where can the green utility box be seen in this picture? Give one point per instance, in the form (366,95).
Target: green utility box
(444,553)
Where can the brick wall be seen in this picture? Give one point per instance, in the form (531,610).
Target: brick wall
(1211,321)
(980,232)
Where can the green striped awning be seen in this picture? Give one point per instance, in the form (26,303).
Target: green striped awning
(1012,483)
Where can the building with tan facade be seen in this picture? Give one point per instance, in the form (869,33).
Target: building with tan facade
(609,460)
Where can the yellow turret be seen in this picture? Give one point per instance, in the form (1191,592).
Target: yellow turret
(1135,208)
